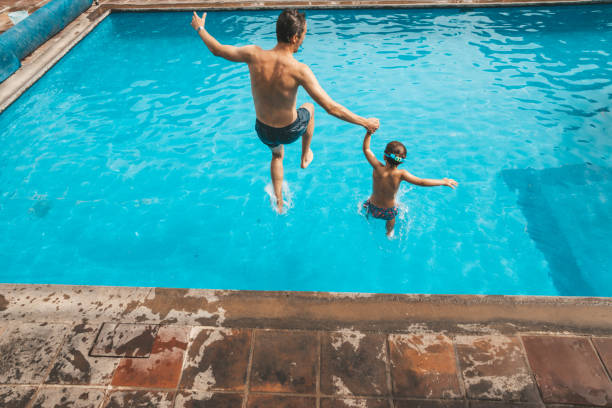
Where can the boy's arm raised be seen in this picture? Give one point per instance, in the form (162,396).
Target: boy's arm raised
(428,182)
(368,153)
(229,52)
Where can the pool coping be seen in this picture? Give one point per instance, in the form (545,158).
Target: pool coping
(306,310)
(46,56)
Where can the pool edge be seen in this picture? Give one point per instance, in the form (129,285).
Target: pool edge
(306,310)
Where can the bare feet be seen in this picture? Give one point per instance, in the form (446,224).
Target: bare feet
(307,159)
(279,206)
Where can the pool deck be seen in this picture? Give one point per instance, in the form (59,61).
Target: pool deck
(86,346)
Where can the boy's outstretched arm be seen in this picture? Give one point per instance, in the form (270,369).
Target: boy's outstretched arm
(368,153)
(229,52)
(428,182)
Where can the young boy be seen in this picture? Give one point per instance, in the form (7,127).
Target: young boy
(386,181)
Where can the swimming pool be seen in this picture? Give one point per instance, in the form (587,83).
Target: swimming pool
(134,161)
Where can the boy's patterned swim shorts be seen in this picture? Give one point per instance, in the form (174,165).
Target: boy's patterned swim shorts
(377,212)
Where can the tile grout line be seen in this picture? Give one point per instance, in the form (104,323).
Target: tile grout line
(605,369)
(178,384)
(48,371)
(531,372)
(247,385)
(318,372)
(388,370)
(462,387)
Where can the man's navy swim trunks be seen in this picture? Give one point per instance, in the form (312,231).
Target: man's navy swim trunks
(272,136)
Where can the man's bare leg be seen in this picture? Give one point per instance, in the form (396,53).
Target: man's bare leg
(307,154)
(276,171)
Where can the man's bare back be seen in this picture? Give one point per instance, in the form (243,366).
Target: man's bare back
(275,78)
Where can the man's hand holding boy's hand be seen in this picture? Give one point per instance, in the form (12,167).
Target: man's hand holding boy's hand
(197,22)
(449,183)
(372,124)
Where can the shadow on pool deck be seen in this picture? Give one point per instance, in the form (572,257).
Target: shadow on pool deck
(152,347)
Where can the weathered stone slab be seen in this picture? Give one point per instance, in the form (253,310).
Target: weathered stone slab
(75,366)
(140,399)
(604,348)
(429,403)
(494,367)
(353,363)
(284,361)
(265,401)
(354,403)
(12,396)
(67,303)
(124,340)
(202,399)
(568,371)
(163,367)
(27,350)
(423,365)
(217,359)
(5,22)
(56,397)
(178,306)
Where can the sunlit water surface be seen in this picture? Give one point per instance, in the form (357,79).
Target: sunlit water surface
(134,160)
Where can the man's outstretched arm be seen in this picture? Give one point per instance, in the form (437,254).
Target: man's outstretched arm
(310,83)
(229,52)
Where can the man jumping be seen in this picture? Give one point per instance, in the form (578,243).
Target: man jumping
(275,78)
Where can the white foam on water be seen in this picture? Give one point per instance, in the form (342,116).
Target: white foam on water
(287,196)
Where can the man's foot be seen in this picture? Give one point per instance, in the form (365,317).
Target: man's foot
(279,206)
(307,159)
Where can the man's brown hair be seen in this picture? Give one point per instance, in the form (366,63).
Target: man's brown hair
(290,22)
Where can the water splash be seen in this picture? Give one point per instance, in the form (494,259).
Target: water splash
(287,197)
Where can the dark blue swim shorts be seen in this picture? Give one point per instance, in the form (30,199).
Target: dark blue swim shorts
(272,136)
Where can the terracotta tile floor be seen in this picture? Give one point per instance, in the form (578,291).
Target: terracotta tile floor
(192,366)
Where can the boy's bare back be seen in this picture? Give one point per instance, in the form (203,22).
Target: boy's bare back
(386,177)
(385,183)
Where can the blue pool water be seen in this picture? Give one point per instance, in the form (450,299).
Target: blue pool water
(134,160)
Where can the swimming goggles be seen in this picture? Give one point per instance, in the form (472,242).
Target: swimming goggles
(395,158)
